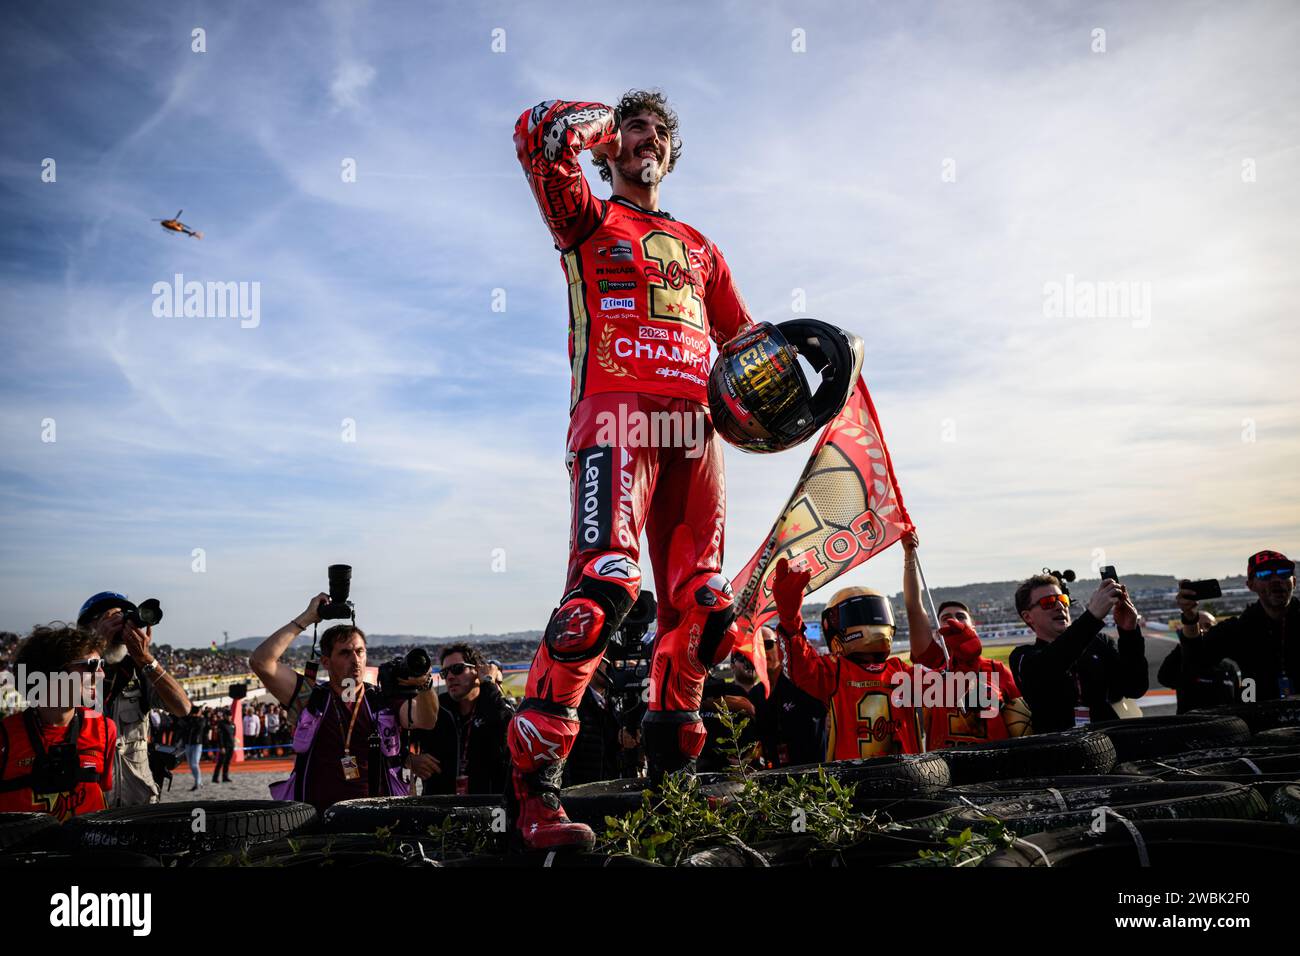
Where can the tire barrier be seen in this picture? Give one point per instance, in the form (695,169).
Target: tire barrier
(165,829)
(1147,737)
(1062,809)
(1040,755)
(1166,844)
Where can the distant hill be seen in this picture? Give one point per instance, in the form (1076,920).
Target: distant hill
(988,594)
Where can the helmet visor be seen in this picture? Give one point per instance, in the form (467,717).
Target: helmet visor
(859,611)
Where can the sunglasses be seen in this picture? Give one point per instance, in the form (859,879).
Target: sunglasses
(1046,602)
(455,670)
(91,665)
(1275,572)
(769,643)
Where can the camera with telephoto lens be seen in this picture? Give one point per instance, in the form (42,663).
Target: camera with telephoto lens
(145,614)
(339,607)
(416,663)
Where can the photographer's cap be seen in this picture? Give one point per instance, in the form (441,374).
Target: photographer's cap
(97,604)
(1268,560)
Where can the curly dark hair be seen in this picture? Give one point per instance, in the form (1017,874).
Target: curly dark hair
(639,101)
(49,647)
(468,652)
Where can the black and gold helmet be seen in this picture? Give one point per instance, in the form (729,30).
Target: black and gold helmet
(861,619)
(759,395)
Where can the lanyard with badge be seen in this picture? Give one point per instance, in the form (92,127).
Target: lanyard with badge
(350,769)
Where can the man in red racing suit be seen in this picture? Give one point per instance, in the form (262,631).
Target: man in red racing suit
(646,295)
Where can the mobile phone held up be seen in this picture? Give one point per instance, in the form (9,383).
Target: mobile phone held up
(1204,590)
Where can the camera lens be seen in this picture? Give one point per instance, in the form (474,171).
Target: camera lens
(417,662)
(149,612)
(340,576)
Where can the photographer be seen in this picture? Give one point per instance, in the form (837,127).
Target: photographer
(1071,667)
(1263,641)
(56,756)
(465,752)
(340,725)
(135,682)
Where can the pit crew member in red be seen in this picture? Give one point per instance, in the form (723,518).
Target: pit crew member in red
(857,680)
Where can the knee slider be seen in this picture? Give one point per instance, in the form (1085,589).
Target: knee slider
(712,596)
(580,627)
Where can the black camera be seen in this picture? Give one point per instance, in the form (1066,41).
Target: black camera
(56,770)
(416,663)
(145,614)
(1066,578)
(339,607)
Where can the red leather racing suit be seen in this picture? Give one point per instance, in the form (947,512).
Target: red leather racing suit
(646,295)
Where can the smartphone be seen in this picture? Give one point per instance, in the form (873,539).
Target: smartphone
(1204,589)
(1108,573)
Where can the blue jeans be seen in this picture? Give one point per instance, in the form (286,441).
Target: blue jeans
(192,754)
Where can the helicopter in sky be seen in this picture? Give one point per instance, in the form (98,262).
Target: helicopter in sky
(175,225)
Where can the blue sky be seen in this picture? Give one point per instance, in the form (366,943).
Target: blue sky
(1169,441)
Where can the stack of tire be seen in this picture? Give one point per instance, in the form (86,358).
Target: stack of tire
(150,836)
(1216,786)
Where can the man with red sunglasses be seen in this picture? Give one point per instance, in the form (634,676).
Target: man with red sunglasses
(1264,639)
(1072,667)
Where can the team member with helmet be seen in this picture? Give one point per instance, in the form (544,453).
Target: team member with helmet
(647,293)
(856,681)
(960,717)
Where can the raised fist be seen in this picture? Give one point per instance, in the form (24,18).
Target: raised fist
(788,588)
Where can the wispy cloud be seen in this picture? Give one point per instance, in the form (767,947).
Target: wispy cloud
(1019,439)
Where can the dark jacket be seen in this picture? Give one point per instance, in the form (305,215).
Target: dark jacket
(595,753)
(1264,649)
(193,729)
(790,723)
(1082,666)
(489,760)
(226,733)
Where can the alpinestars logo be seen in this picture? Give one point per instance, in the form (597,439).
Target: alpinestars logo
(615,566)
(528,732)
(554,138)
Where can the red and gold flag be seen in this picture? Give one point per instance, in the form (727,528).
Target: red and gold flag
(846,507)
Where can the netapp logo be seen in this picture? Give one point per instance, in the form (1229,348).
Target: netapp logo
(103,909)
(609,302)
